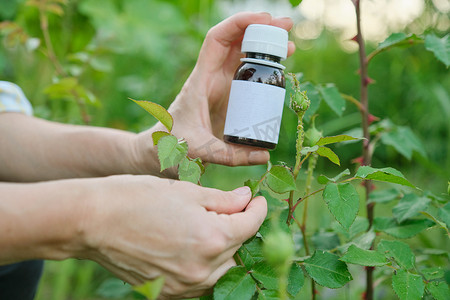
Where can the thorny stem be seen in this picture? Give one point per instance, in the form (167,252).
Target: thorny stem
(54,59)
(310,174)
(311,166)
(364,98)
(299,104)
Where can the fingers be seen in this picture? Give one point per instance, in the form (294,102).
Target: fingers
(285,23)
(245,224)
(232,28)
(227,34)
(218,152)
(226,202)
(291,48)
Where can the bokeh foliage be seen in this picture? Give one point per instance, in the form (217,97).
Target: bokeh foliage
(145,49)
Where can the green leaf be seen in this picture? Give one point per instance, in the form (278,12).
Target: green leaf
(306,150)
(70,88)
(296,280)
(383,196)
(171,151)
(430,216)
(62,89)
(327,270)
(404,141)
(439,46)
(268,295)
(295,3)
(434,251)
(251,252)
(398,251)
(343,202)
(441,199)
(199,162)
(391,40)
(359,225)
(280,180)
(407,229)
(363,241)
(384,174)
(335,139)
(151,289)
(328,153)
(237,283)
(265,274)
(407,286)
(113,288)
(276,221)
(323,240)
(439,290)
(410,206)
(333,98)
(433,273)
(159,112)
(273,203)
(253,184)
(189,170)
(363,257)
(157,135)
(322,179)
(444,214)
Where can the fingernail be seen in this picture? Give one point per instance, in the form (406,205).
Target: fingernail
(244,190)
(258,157)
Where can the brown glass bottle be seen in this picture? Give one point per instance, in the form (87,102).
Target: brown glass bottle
(263,69)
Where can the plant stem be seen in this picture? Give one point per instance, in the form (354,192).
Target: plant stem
(298,162)
(238,259)
(310,174)
(364,100)
(44,27)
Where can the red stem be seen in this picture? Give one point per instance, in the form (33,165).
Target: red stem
(364,98)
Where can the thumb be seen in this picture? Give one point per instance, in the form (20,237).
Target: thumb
(227,202)
(218,152)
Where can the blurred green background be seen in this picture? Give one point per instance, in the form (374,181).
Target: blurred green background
(145,49)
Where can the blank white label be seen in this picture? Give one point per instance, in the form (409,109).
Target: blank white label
(254,111)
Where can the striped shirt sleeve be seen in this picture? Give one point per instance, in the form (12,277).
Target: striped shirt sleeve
(12,99)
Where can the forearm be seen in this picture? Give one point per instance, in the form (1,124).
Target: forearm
(42,220)
(32,149)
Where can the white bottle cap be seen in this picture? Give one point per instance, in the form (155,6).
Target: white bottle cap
(265,39)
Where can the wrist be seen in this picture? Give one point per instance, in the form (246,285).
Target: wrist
(145,154)
(49,220)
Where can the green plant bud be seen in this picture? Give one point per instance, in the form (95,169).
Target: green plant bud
(278,248)
(299,102)
(312,136)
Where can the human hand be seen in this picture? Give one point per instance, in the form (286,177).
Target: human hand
(143,227)
(200,108)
